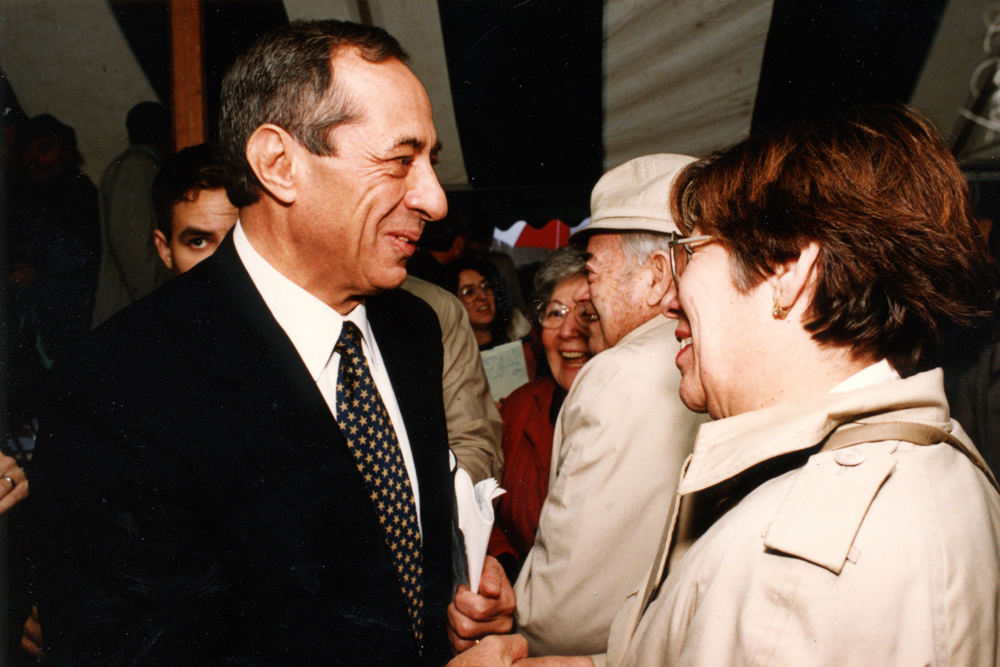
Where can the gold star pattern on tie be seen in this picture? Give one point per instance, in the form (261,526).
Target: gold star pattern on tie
(372,440)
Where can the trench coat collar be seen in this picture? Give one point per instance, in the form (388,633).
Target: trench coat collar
(727,447)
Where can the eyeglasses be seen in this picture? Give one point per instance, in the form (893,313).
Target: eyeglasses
(551,315)
(470,292)
(678,259)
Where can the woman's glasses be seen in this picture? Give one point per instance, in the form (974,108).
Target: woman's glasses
(470,292)
(681,251)
(551,315)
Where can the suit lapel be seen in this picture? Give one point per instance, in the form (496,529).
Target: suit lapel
(280,419)
(413,356)
(251,350)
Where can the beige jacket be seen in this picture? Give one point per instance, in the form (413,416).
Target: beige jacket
(885,553)
(474,424)
(619,443)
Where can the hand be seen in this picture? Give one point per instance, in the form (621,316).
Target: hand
(495,650)
(490,612)
(11,495)
(31,640)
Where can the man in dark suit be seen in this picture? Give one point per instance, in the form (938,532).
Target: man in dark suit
(250,466)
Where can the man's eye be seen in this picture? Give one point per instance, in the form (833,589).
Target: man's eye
(198,243)
(405,160)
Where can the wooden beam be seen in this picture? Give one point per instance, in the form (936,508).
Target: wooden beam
(365,13)
(187,73)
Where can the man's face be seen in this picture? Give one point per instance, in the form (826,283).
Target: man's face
(613,286)
(46,158)
(361,211)
(198,228)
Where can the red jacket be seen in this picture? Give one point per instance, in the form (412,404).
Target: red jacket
(527,451)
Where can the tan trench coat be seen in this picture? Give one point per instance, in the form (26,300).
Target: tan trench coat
(886,553)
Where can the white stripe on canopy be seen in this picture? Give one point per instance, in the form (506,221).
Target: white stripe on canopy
(680,77)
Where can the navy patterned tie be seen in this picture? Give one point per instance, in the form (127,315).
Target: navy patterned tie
(372,439)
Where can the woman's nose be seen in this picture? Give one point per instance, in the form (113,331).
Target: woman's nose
(670,306)
(571,327)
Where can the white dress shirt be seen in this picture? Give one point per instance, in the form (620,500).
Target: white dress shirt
(314,329)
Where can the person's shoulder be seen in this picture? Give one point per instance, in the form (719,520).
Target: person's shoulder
(540,389)
(133,160)
(82,186)
(446,305)
(643,350)
(898,494)
(167,318)
(137,156)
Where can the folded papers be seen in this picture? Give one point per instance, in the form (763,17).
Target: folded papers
(505,368)
(475,518)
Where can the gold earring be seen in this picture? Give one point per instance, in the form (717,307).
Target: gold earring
(778,311)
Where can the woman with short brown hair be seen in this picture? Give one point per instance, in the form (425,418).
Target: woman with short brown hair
(900,260)
(832,513)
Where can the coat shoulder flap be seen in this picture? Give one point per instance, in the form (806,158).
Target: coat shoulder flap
(826,504)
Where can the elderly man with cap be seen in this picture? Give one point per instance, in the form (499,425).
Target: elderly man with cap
(622,434)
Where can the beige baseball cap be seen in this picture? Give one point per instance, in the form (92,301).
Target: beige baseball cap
(635,196)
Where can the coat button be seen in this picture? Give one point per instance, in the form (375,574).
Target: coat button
(848,457)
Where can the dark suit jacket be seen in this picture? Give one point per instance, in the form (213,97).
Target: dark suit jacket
(199,505)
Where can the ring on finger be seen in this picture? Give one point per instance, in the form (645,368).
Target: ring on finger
(12,482)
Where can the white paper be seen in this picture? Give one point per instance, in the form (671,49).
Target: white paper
(475,518)
(505,368)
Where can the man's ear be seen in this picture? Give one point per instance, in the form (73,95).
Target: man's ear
(661,279)
(793,279)
(271,152)
(163,248)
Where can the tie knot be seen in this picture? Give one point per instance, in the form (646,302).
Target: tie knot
(350,338)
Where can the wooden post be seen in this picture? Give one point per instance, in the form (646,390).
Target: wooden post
(187,73)
(365,13)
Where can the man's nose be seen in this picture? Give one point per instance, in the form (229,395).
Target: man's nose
(426,195)
(571,327)
(582,292)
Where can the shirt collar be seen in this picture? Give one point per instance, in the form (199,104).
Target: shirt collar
(311,325)
(727,447)
(876,373)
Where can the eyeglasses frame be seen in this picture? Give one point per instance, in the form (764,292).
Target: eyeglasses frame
(683,242)
(483,287)
(579,312)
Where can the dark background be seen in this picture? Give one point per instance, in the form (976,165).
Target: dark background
(526,81)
